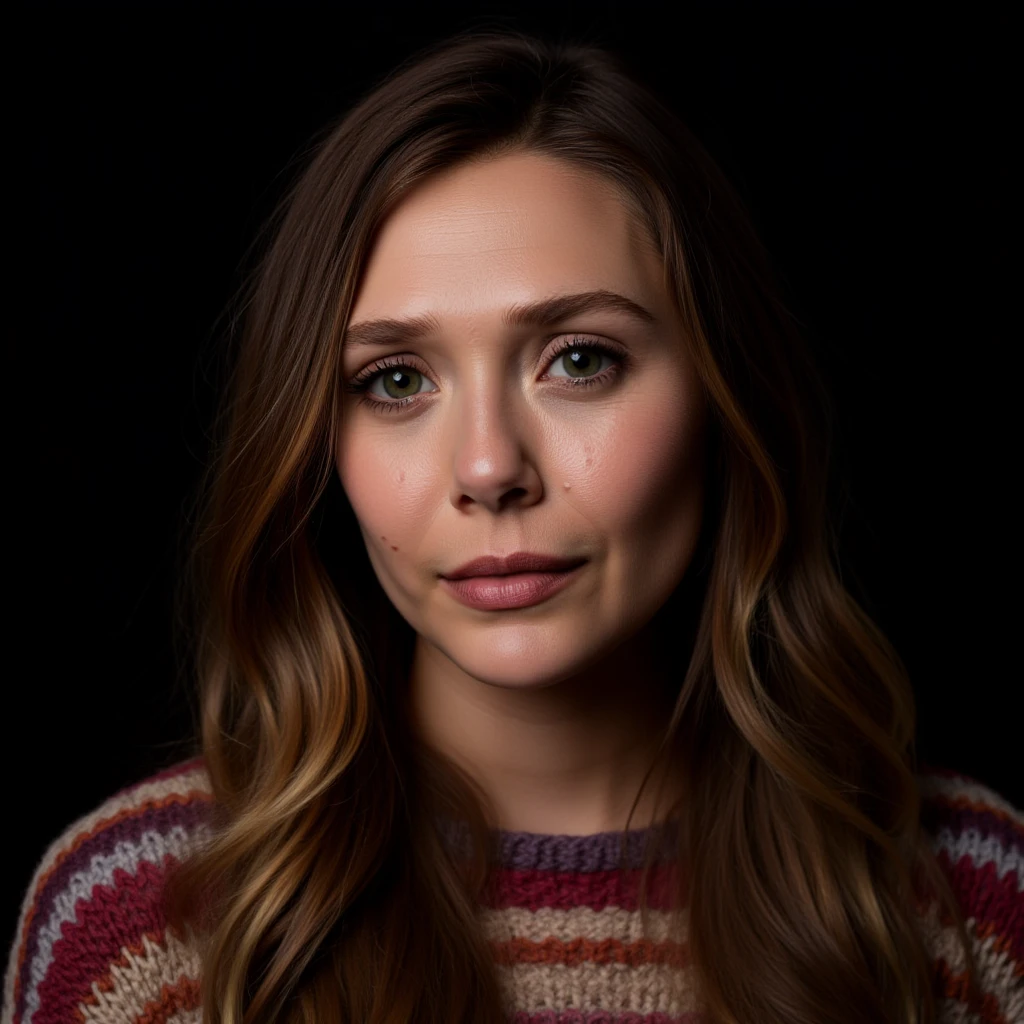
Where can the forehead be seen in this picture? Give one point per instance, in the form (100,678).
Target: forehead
(502,230)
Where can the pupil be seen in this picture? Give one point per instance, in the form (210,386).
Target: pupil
(399,381)
(580,360)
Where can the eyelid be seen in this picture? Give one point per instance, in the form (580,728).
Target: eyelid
(583,341)
(571,339)
(386,363)
(364,381)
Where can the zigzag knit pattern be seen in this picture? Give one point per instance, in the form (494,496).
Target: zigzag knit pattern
(92,943)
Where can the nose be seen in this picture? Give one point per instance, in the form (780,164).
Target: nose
(493,458)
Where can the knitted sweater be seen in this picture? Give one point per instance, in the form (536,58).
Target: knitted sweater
(92,943)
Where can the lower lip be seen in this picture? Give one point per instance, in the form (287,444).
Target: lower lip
(519,590)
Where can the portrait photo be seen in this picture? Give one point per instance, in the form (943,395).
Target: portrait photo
(514,516)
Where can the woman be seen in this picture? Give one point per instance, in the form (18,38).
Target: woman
(528,684)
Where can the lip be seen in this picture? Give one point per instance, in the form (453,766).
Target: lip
(513,590)
(517,562)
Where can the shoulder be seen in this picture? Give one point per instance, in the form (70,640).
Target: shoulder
(978,839)
(92,942)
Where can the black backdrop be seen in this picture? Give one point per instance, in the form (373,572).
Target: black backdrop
(871,147)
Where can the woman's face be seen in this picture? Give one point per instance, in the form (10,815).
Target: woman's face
(474,441)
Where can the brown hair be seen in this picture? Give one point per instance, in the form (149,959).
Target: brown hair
(327,893)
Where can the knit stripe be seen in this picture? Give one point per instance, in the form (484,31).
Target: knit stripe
(1002,847)
(183,995)
(185,809)
(953,791)
(186,784)
(954,988)
(994,904)
(114,917)
(596,889)
(173,830)
(136,978)
(194,764)
(645,988)
(999,972)
(600,852)
(186,1017)
(599,951)
(566,925)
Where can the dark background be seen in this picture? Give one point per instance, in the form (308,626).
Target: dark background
(871,146)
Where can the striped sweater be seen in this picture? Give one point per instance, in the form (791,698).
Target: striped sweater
(92,943)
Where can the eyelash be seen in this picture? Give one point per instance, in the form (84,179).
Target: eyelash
(363,381)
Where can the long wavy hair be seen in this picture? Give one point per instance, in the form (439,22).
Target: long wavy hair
(326,892)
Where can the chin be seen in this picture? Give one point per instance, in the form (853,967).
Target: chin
(516,663)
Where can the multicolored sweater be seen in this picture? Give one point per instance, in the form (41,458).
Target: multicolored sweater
(92,943)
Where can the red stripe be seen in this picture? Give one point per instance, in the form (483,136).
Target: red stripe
(114,917)
(994,903)
(954,986)
(599,951)
(183,995)
(84,837)
(964,802)
(564,890)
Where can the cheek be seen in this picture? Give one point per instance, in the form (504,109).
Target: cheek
(373,487)
(645,469)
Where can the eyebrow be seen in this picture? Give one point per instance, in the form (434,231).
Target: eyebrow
(531,314)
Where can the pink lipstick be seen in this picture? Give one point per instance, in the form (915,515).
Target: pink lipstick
(493,583)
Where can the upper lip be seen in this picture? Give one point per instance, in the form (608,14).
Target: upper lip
(519,561)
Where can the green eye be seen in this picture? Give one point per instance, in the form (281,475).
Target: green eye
(581,362)
(402,383)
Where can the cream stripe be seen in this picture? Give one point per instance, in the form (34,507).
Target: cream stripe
(649,988)
(141,981)
(195,779)
(982,851)
(187,1017)
(935,785)
(579,922)
(131,799)
(995,968)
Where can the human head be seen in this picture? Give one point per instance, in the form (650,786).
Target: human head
(599,126)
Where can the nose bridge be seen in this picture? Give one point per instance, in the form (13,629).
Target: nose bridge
(488,456)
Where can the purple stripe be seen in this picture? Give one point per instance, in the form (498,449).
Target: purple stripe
(532,851)
(188,815)
(936,815)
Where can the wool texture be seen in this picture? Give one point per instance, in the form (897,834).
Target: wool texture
(93,947)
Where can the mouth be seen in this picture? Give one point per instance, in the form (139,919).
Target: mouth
(518,563)
(498,592)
